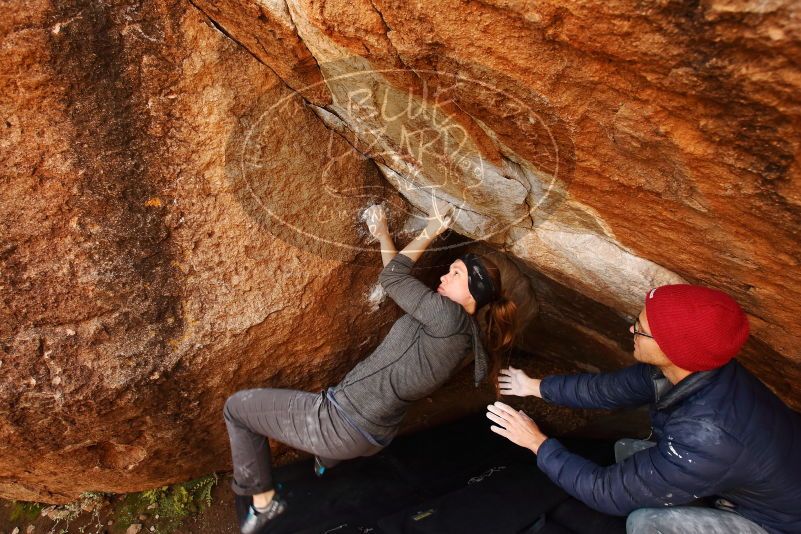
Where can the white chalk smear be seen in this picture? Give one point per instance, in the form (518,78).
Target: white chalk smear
(376,297)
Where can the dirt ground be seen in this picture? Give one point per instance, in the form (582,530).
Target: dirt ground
(219,518)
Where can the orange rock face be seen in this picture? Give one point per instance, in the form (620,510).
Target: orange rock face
(142,281)
(182,182)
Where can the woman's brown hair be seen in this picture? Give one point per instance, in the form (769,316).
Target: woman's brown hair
(500,324)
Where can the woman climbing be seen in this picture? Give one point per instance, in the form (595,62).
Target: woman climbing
(361,415)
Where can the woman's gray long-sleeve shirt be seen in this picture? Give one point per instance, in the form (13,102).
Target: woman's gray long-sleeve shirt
(424,348)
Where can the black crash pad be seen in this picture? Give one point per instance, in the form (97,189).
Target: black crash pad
(459,478)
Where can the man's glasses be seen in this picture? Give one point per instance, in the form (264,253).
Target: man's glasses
(638,332)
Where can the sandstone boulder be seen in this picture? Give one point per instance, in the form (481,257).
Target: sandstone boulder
(141,284)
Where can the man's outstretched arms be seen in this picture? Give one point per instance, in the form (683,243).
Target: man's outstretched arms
(694,459)
(631,386)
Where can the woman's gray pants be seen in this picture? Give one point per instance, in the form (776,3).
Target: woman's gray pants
(680,519)
(304,421)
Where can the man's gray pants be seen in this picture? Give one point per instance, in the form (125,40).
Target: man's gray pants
(304,421)
(680,519)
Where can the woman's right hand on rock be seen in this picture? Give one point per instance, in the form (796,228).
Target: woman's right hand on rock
(376,219)
(513,381)
(440,220)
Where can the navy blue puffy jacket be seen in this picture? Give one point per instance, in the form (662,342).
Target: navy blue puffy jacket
(718,433)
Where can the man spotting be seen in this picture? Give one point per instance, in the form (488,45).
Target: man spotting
(717,431)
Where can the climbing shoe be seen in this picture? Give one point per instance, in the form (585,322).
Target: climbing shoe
(256,520)
(319,468)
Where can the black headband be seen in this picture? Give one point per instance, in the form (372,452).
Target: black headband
(478,281)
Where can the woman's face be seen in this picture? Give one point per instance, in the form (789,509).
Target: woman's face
(453,284)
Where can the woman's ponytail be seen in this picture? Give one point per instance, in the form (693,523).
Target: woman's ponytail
(500,325)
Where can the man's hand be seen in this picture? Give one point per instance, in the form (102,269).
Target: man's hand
(515,426)
(513,381)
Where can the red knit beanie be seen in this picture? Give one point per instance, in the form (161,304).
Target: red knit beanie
(697,328)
